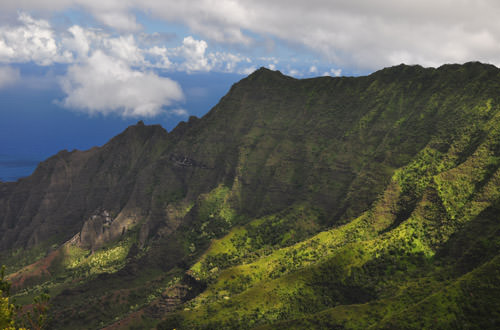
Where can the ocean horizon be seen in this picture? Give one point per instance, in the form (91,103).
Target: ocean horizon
(15,167)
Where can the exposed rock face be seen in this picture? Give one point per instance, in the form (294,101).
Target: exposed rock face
(101,228)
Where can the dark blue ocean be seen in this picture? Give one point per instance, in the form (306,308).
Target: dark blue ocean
(33,127)
(13,167)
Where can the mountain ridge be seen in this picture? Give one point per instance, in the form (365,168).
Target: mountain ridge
(299,179)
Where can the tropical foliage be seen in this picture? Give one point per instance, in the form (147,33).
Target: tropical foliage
(326,203)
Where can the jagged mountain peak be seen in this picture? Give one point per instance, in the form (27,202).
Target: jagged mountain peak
(264,71)
(139,134)
(264,74)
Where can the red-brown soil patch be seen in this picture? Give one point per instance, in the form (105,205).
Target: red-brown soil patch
(33,273)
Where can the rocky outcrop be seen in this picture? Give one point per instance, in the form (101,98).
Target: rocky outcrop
(101,228)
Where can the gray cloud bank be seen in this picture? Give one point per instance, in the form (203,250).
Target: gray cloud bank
(363,34)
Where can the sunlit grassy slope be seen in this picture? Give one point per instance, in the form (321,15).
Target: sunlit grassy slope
(424,255)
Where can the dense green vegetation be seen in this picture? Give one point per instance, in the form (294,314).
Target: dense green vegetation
(326,203)
(393,266)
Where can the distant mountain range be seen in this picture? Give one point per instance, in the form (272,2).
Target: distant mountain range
(324,203)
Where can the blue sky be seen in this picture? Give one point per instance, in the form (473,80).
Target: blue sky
(74,73)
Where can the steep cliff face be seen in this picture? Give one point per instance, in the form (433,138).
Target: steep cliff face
(272,139)
(71,187)
(382,171)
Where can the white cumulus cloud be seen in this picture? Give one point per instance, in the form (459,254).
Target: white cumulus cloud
(227,62)
(33,40)
(193,53)
(107,85)
(125,49)
(160,57)
(108,72)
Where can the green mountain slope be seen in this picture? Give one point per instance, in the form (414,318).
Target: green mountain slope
(316,203)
